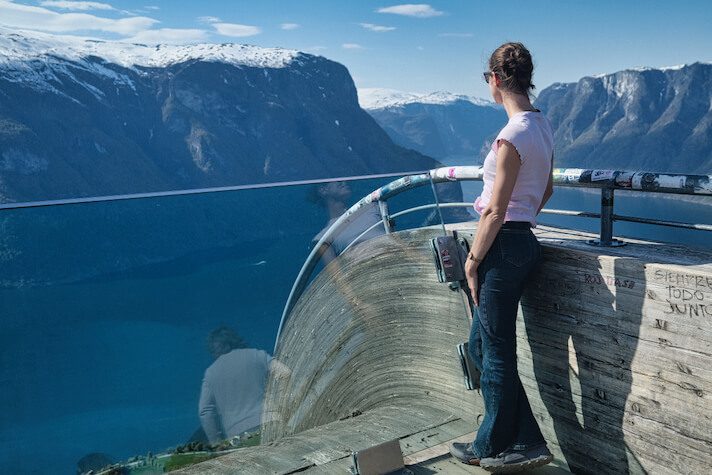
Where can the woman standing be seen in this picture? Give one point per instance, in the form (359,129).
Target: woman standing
(517,183)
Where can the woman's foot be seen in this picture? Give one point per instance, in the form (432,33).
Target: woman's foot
(463,452)
(518,458)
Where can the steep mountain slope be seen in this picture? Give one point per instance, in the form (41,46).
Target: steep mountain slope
(440,125)
(651,119)
(80,117)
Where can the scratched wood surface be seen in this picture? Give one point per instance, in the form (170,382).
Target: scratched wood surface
(614,349)
(368,333)
(331,445)
(326,450)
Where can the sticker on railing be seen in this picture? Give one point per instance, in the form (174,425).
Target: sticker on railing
(601,175)
(625,179)
(667,181)
(572,175)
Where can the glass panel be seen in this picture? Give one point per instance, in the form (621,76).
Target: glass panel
(111,313)
(627,203)
(687,209)
(573,199)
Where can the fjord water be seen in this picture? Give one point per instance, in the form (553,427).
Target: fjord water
(627,203)
(106,307)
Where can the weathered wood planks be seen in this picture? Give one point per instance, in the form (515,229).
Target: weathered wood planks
(614,346)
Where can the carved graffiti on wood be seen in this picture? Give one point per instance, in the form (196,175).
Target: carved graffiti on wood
(608,280)
(686,280)
(686,294)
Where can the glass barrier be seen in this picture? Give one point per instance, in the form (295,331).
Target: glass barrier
(688,209)
(660,206)
(125,324)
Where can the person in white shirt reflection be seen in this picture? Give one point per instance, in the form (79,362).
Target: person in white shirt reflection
(233,387)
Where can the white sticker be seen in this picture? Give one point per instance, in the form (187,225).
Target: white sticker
(637,181)
(667,181)
(600,175)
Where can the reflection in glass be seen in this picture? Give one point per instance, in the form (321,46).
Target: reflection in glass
(233,387)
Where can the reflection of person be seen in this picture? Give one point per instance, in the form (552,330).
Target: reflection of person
(233,386)
(334,196)
(517,183)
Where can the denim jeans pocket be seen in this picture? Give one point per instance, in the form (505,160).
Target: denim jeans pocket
(517,247)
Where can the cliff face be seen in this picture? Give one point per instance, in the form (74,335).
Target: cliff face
(90,118)
(647,119)
(439,125)
(657,120)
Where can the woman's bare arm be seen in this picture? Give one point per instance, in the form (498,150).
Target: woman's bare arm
(508,164)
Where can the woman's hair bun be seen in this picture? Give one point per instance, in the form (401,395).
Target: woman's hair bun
(512,62)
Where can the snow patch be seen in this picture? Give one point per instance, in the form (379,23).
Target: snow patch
(36,59)
(639,69)
(27,45)
(22,161)
(380,98)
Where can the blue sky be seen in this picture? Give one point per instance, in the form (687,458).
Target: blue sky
(440,45)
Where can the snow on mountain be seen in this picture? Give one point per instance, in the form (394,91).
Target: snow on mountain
(24,45)
(440,124)
(639,69)
(381,98)
(33,58)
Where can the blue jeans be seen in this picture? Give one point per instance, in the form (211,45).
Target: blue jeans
(502,275)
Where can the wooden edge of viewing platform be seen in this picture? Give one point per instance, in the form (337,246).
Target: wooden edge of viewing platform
(614,352)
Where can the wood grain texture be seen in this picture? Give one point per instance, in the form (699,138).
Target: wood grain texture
(614,352)
(367,333)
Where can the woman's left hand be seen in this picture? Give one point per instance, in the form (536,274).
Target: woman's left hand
(471,275)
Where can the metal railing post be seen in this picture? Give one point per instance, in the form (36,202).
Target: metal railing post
(606,216)
(606,237)
(388,224)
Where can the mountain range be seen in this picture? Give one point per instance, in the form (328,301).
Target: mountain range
(441,125)
(648,119)
(81,117)
(640,119)
(84,118)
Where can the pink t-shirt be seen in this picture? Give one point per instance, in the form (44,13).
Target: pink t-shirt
(531,134)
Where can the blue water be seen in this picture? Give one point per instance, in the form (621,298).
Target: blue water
(105,308)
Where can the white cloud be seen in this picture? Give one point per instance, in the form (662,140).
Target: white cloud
(76,5)
(420,48)
(38,18)
(236,30)
(152,7)
(420,10)
(168,36)
(377,28)
(290,26)
(351,46)
(456,35)
(209,19)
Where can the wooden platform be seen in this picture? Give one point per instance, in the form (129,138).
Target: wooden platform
(327,449)
(614,348)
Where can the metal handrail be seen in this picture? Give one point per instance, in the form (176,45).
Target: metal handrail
(191,191)
(606,180)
